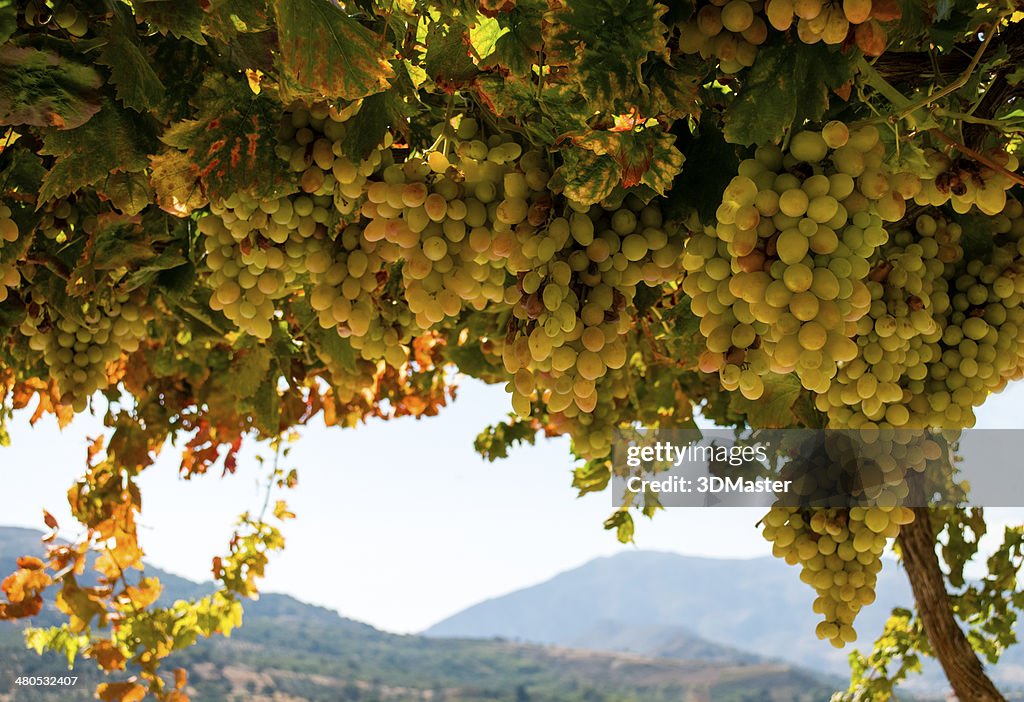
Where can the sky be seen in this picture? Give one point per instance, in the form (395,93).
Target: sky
(400,524)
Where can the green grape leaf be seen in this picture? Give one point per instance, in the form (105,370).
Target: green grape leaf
(559,108)
(21,169)
(109,143)
(266,405)
(448,62)
(622,522)
(8,19)
(592,476)
(328,53)
(231,145)
(249,371)
(181,18)
(135,82)
(226,19)
(774,409)
(674,88)
(365,130)
(44,89)
(484,36)
(494,442)
(128,192)
(518,48)
(644,156)
(788,84)
(605,43)
(586,177)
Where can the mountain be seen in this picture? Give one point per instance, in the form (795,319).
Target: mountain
(745,604)
(657,604)
(289,651)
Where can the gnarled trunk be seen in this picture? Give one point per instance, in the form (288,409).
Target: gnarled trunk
(963,669)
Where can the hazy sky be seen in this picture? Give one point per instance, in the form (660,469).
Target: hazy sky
(400,523)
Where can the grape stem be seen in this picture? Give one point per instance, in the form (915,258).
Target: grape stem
(981,158)
(959,82)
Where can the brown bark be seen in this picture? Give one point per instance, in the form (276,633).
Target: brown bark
(963,669)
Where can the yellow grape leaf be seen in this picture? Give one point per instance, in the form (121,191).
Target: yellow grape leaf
(121,692)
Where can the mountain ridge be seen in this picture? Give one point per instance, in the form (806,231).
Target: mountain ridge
(291,650)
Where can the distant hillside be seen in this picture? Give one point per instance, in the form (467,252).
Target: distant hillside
(745,604)
(658,604)
(294,652)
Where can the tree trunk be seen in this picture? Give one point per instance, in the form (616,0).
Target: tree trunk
(963,669)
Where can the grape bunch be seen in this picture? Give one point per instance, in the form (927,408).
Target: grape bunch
(77,348)
(832,22)
(839,551)
(778,281)
(356,296)
(897,339)
(10,278)
(261,250)
(730,30)
(460,216)
(941,334)
(63,18)
(574,315)
(965,183)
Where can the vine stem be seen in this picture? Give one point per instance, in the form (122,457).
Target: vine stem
(950,646)
(959,82)
(968,151)
(994,123)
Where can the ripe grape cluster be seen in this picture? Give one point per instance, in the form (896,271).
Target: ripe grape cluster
(831,23)
(778,282)
(892,333)
(575,312)
(839,551)
(260,250)
(9,276)
(965,183)
(730,30)
(65,17)
(77,348)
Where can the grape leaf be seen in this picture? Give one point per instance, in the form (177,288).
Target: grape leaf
(108,143)
(135,82)
(484,35)
(226,19)
(20,169)
(249,371)
(447,61)
(586,177)
(365,130)
(644,157)
(44,89)
(774,409)
(8,19)
(175,184)
(231,144)
(605,43)
(674,88)
(328,53)
(518,48)
(181,18)
(128,192)
(788,84)
(558,108)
